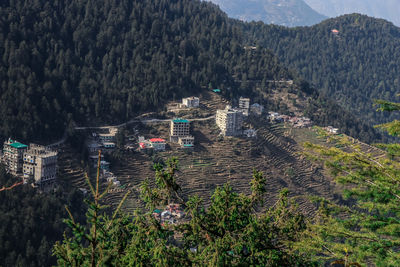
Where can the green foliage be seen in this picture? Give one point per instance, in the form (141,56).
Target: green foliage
(353,67)
(97,62)
(31,222)
(235,230)
(101,62)
(366,229)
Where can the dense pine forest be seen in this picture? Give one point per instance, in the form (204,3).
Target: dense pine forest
(66,63)
(355,64)
(31,222)
(75,61)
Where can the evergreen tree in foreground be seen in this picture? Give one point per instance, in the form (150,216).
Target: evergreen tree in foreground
(366,231)
(235,230)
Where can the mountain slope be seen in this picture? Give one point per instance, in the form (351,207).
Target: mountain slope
(388,9)
(355,65)
(66,63)
(93,63)
(281,12)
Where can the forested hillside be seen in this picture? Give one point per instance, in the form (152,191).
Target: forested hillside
(355,65)
(32,222)
(95,62)
(104,61)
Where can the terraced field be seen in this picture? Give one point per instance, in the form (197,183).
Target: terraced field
(217,160)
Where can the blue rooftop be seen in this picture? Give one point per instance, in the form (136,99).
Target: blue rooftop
(18,145)
(217,90)
(180,120)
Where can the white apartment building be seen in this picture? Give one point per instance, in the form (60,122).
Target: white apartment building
(191,102)
(230,121)
(40,163)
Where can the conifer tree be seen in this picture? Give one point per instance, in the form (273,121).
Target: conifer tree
(364,230)
(235,230)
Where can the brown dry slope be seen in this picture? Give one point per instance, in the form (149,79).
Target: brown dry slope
(215,162)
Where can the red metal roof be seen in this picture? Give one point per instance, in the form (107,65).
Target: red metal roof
(153,140)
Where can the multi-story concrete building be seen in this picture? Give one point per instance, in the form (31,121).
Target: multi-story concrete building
(179,128)
(186,141)
(230,121)
(40,163)
(13,152)
(191,102)
(244,105)
(109,136)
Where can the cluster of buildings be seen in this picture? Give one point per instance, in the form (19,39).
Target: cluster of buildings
(171,214)
(33,162)
(230,120)
(104,141)
(179,134)
(297,122)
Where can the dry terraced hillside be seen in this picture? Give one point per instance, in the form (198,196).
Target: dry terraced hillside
(215,160)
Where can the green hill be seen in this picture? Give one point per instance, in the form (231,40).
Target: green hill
(104,61)
(93,62)
(354,65)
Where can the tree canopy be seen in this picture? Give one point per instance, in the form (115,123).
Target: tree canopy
(352,59)
(235,230)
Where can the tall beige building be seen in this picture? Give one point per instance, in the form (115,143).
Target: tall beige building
(40,163)
(229,121)
(13,152)
(179,128)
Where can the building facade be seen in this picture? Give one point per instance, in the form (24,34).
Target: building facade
(191,102)
(230,121)
(13,152)
(179,128)
(244,105)
(186,141)
(40,164)
(158,144)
